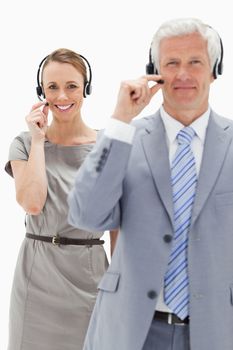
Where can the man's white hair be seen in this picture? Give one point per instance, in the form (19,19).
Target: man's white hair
(184,26)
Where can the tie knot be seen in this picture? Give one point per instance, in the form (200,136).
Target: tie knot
(185,135)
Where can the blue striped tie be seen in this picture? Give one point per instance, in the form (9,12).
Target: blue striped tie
(184,180)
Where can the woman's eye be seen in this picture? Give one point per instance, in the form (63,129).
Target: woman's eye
(52,87)
(72,86)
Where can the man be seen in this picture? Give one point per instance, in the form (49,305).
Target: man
(166,181)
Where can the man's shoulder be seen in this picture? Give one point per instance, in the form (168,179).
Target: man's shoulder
(146,123)
(222,121)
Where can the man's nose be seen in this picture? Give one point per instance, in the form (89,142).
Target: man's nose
(183,72)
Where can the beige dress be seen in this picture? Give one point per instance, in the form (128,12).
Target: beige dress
(54,287)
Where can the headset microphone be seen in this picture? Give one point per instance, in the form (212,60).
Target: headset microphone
(87,83)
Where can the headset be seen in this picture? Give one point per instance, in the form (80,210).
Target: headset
(217,69)
(87,83)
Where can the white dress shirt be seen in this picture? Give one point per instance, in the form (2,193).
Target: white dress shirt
(125,132)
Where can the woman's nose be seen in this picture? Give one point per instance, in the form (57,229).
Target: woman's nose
(62,94)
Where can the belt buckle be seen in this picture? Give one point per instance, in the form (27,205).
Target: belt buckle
(56,240)
(170,321)
(180,324)
(169,318)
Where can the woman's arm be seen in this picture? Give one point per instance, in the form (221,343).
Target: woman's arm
(30,176)
(30,180)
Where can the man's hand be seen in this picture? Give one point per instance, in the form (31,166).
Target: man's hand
(134,96)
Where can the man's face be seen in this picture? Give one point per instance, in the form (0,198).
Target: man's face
(185,67)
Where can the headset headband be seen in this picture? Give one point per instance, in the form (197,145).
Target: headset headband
(217,69)
(87,83)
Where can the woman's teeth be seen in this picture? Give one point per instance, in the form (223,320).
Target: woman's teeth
(63,108)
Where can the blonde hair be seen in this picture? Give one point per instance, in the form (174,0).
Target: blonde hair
(66,56)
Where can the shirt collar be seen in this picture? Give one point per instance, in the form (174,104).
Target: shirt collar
(173,126)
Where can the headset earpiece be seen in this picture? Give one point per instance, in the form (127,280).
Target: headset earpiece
(40,92)
(39,88)
(87,88)
(150,67)
(87,84)
(215,70)
(218,66)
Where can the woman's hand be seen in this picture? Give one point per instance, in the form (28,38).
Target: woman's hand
(37,121)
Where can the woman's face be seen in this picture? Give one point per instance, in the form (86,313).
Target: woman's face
(63,88)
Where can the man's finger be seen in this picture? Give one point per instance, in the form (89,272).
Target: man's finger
(157,78)
(155,88)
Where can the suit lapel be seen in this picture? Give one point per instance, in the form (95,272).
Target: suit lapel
(216,144)
(156,151)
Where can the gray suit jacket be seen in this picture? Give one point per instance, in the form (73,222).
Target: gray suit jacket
(128,186)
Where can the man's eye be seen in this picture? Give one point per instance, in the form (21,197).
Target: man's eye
(172,63)
(195,61)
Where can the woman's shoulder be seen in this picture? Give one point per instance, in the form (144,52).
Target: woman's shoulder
(19,149)
(23,139)
(23,136)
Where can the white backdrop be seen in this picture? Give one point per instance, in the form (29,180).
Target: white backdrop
(115,37)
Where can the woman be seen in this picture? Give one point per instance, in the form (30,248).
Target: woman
(59,266)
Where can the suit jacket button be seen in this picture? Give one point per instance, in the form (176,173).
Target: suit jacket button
(152,294)
(98,168)
(167,238)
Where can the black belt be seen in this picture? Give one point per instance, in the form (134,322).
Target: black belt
(57,240)
(170,318)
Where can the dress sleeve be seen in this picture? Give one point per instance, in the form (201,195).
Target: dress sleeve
(17,151)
